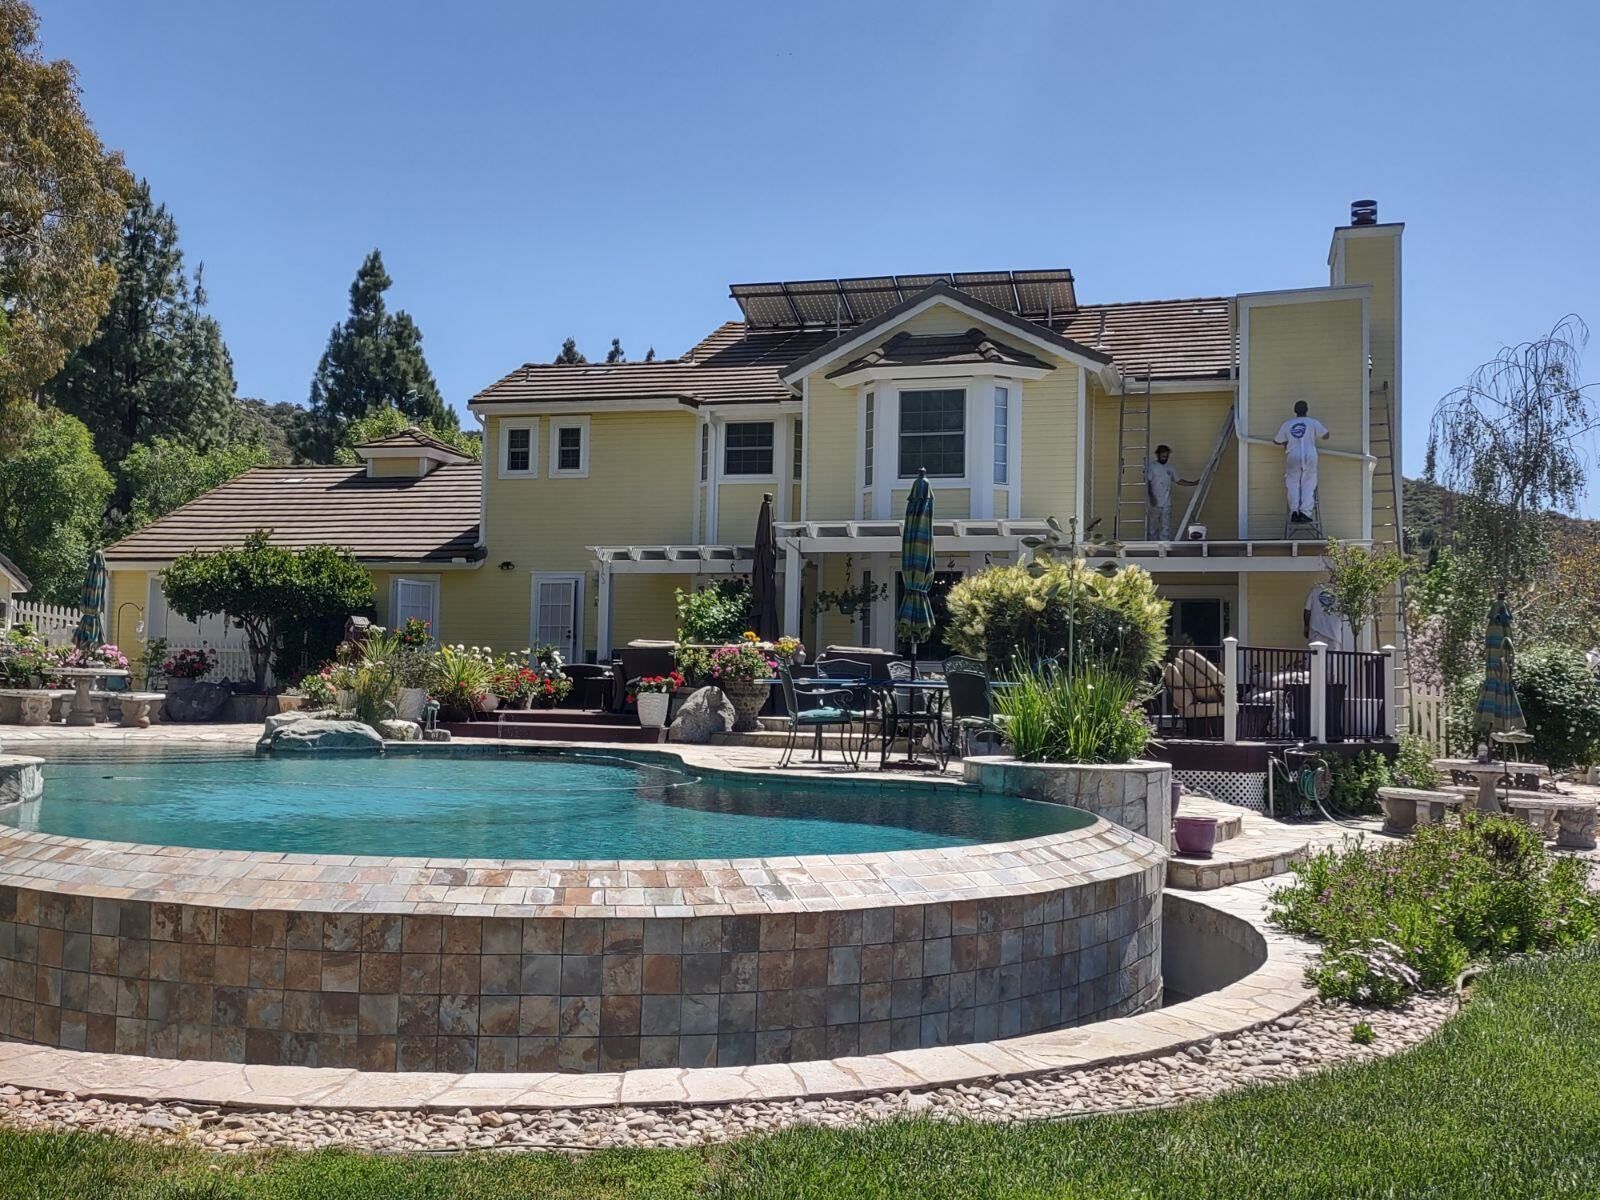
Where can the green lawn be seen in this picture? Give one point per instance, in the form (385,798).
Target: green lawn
(1504,1103)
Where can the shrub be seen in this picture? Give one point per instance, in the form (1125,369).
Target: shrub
(1413,914)
(1117,622)
(1561,701)
(714,614)
(1354,782)
(190,663)
(23,654)
(1090,715)
(462,681)
(1413,765)
(741,663)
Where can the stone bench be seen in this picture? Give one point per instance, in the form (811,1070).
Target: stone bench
(135,710)
(1574,819)
(31,706)
(1406,808)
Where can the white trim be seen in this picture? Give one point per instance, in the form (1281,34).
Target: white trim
(805,450)
(726,476)
(372,564)
(937,371)
(916,310)
(765,410)
(505,472)
(541,408)
(1241,421)
(431,582)
(579,580)
(483,480)
(1308,295)
(557,424)
(1366,418)
(1080,484)
(971,390)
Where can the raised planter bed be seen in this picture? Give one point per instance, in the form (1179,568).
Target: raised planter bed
(1135,795)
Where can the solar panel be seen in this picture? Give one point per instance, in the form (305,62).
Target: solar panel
(819,303)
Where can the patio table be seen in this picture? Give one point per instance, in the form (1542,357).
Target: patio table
(1489,775)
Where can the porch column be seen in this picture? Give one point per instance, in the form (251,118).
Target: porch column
(1230,690)
(602,635)
(1391,699)
(1319,693)
(793,569)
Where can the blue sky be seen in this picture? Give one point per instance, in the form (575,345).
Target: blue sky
(601,170)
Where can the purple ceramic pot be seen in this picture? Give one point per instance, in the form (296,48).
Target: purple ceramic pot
(1196,836)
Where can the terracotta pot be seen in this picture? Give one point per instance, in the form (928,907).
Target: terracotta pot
(653,708)
(1196,836)
(748,699)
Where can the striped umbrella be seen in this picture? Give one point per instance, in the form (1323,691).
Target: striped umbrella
(90,633)
(1499,714)
(916,564)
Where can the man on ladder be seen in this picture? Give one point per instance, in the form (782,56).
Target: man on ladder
(1299,436)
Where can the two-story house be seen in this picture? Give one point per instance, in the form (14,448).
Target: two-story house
(604,488)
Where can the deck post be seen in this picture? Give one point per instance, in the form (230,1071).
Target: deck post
(1319,693)
(602,633)
(793,568)
(1391,705)
(1230,690)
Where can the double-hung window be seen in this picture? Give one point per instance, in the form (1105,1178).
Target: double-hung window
(867,459)
(518,449)
(1002,435)
(569,446)
(705,453)
(747,448)
(797,467)
(933,433)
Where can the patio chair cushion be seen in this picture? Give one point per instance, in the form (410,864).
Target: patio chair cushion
(823,716)
(1187,700)
(1200,676)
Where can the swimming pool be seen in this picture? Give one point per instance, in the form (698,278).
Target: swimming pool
(509,806)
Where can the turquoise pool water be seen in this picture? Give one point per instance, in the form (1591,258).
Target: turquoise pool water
(509,806)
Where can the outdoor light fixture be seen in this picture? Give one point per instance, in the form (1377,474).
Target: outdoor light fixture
(508,565)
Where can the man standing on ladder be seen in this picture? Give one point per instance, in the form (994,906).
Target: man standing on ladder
(1158,480)
(1299,436)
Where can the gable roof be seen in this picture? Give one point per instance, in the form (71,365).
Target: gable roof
(430,519)
(1176,339)
(24,584)
(413,438)
(960,301)
(972,348)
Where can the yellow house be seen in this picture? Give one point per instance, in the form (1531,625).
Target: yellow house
(604,488)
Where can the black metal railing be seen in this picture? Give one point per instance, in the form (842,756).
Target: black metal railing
(1273,696)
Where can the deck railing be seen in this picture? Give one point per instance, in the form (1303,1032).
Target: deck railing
(1272,693)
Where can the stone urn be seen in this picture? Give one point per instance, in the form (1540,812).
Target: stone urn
(748,699)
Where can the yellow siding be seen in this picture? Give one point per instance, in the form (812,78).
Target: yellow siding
(642,606)
(1049,434)
(738,506)
(390,468)
(122,624)
(1313,352)
(949,503)
(643,469)
(1189,424)
(458,604)
(837,630)
(1276,603)
(833,457)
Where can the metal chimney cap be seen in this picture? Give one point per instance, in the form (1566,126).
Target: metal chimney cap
(1363,212)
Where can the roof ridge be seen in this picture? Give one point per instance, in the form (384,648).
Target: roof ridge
(1164,300)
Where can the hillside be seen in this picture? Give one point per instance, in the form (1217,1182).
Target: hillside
(1430,516)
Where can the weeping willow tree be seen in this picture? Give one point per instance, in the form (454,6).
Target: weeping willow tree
(1510,442)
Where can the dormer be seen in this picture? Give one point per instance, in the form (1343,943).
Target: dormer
(407,454)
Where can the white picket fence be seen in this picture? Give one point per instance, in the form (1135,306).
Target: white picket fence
(1426,717)
(233,660)
(55,622)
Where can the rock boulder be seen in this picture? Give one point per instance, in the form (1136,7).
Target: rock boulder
(400,731)
(195,700)
(323,737)
(703,715)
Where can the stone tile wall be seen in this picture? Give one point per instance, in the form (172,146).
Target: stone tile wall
(406,992)
(1135,795)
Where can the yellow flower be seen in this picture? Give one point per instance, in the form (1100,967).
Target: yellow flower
(751,636)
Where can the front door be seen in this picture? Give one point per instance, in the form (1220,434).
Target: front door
(558,612)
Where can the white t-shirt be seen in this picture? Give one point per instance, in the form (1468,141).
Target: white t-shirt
(1328,626)
(1160,476)
(1299,437)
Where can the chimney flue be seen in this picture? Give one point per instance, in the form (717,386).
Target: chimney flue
(1364,212)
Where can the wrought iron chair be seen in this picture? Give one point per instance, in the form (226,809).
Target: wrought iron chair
(822,708)
(909,713)
(960,662)
(971,711)
(866,703)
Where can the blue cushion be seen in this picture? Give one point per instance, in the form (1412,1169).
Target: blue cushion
(821,716)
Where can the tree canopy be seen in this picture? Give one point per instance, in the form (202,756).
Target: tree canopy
(156,366)
(373,361)
(616,354)
(569,354)
(267,590)
(52,493)
(61,201)
(163,473)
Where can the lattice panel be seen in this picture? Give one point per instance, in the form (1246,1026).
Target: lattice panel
(1247,789)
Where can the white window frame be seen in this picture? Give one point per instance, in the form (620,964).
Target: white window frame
(557,424)
(869,435)
(967,388)
(505,471)
(431,582)
(727,476)
(1001,457)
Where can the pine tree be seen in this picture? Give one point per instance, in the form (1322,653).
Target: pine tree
(374,360)
(650,354)
(616,353)
(157,366)
(570,355)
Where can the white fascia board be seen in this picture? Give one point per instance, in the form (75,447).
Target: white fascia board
(978,371)
(763,410)
(580,407)
(1310,295)
(883,331)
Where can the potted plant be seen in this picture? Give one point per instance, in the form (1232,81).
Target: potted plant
(414,668)
(186,666)
(548,688)
(653,694)
(1195,836)
(735,669)
(461,683)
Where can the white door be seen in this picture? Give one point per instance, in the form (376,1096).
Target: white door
(558,612)
(415,598)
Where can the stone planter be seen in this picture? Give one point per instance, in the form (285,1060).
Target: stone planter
(748,699)
(195,700)
(20,778)
(286,703)
(409,703)
(246,709)
(1135,795)
(653,708)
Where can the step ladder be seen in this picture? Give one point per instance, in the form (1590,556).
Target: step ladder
(1311,529)
(1133,458)
(1386,484)
(1197,501)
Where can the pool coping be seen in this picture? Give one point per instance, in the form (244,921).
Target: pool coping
(1274,989)
(534,888)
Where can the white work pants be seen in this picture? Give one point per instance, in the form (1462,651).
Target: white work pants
(1300,478)
(1158,522)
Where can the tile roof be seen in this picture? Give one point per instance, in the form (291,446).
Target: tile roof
(972,348)
(431,519)
(24,584)
(1178,339)
(414,437)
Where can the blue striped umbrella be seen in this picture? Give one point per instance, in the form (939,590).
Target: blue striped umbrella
(1499,713)
(916,564)
(91,633)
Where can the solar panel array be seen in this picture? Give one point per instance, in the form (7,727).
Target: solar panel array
(807,303)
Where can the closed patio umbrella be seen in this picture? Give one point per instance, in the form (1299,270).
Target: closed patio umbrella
(90,633)
(1499,713)
(916,564)
(764,575)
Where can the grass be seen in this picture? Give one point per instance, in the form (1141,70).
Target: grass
(1504,1102)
